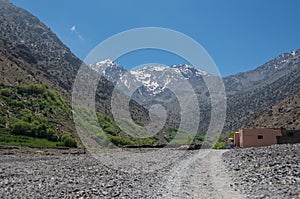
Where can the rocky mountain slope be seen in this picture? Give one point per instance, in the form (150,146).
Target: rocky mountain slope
(263,75)
(155,78)
(33,50)
(285,114)
(276,80)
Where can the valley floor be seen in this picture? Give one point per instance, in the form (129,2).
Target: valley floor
(138,173)
(161,173)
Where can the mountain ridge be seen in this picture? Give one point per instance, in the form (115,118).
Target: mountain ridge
(254,90)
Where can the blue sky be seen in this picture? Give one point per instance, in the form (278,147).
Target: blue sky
(239,35)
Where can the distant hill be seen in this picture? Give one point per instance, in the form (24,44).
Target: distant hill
(285,114)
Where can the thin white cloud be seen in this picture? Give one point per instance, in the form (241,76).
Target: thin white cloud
(79,36)
(73,28)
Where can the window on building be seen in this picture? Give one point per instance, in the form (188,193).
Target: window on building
(260,137)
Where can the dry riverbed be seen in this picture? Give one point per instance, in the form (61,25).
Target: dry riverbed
(139,173)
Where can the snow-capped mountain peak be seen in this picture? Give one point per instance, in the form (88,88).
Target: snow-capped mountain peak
(109,69)
(105,62)
(154,78)
(189,71)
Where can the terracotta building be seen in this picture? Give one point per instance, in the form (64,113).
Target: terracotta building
(265,137)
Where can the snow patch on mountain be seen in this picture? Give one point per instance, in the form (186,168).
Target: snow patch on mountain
(109,70)
(154,78)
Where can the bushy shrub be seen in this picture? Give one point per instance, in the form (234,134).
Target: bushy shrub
(32,126)
(120,141)
(20,127)
(41,130)
(26,115)
(111,130)
(52,135)
(219,145)
(32,89)
(6,92)
(145,141)
(68,140)
(231,134)
(3,121)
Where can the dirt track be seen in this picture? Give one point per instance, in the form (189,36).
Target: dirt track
(202,175)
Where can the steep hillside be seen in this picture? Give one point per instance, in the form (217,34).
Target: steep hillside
(31,49)
(285,114)
(31,53)
(263,75)
(245,103)
(32,56)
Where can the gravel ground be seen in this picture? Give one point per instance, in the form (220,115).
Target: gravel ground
(165,173)
(76,176)
(269,172)
(266,172)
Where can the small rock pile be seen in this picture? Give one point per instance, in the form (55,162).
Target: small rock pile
(266,172)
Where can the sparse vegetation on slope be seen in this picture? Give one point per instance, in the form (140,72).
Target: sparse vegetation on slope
(32,115)
(105,131)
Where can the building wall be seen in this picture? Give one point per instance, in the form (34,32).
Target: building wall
(289,137)
(258,137)
(236,141)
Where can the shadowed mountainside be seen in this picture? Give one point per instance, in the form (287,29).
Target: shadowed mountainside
(285,114)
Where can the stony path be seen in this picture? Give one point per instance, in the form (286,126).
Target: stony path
(202,175)
(211,180)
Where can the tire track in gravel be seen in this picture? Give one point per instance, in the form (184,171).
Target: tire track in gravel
(202,175)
